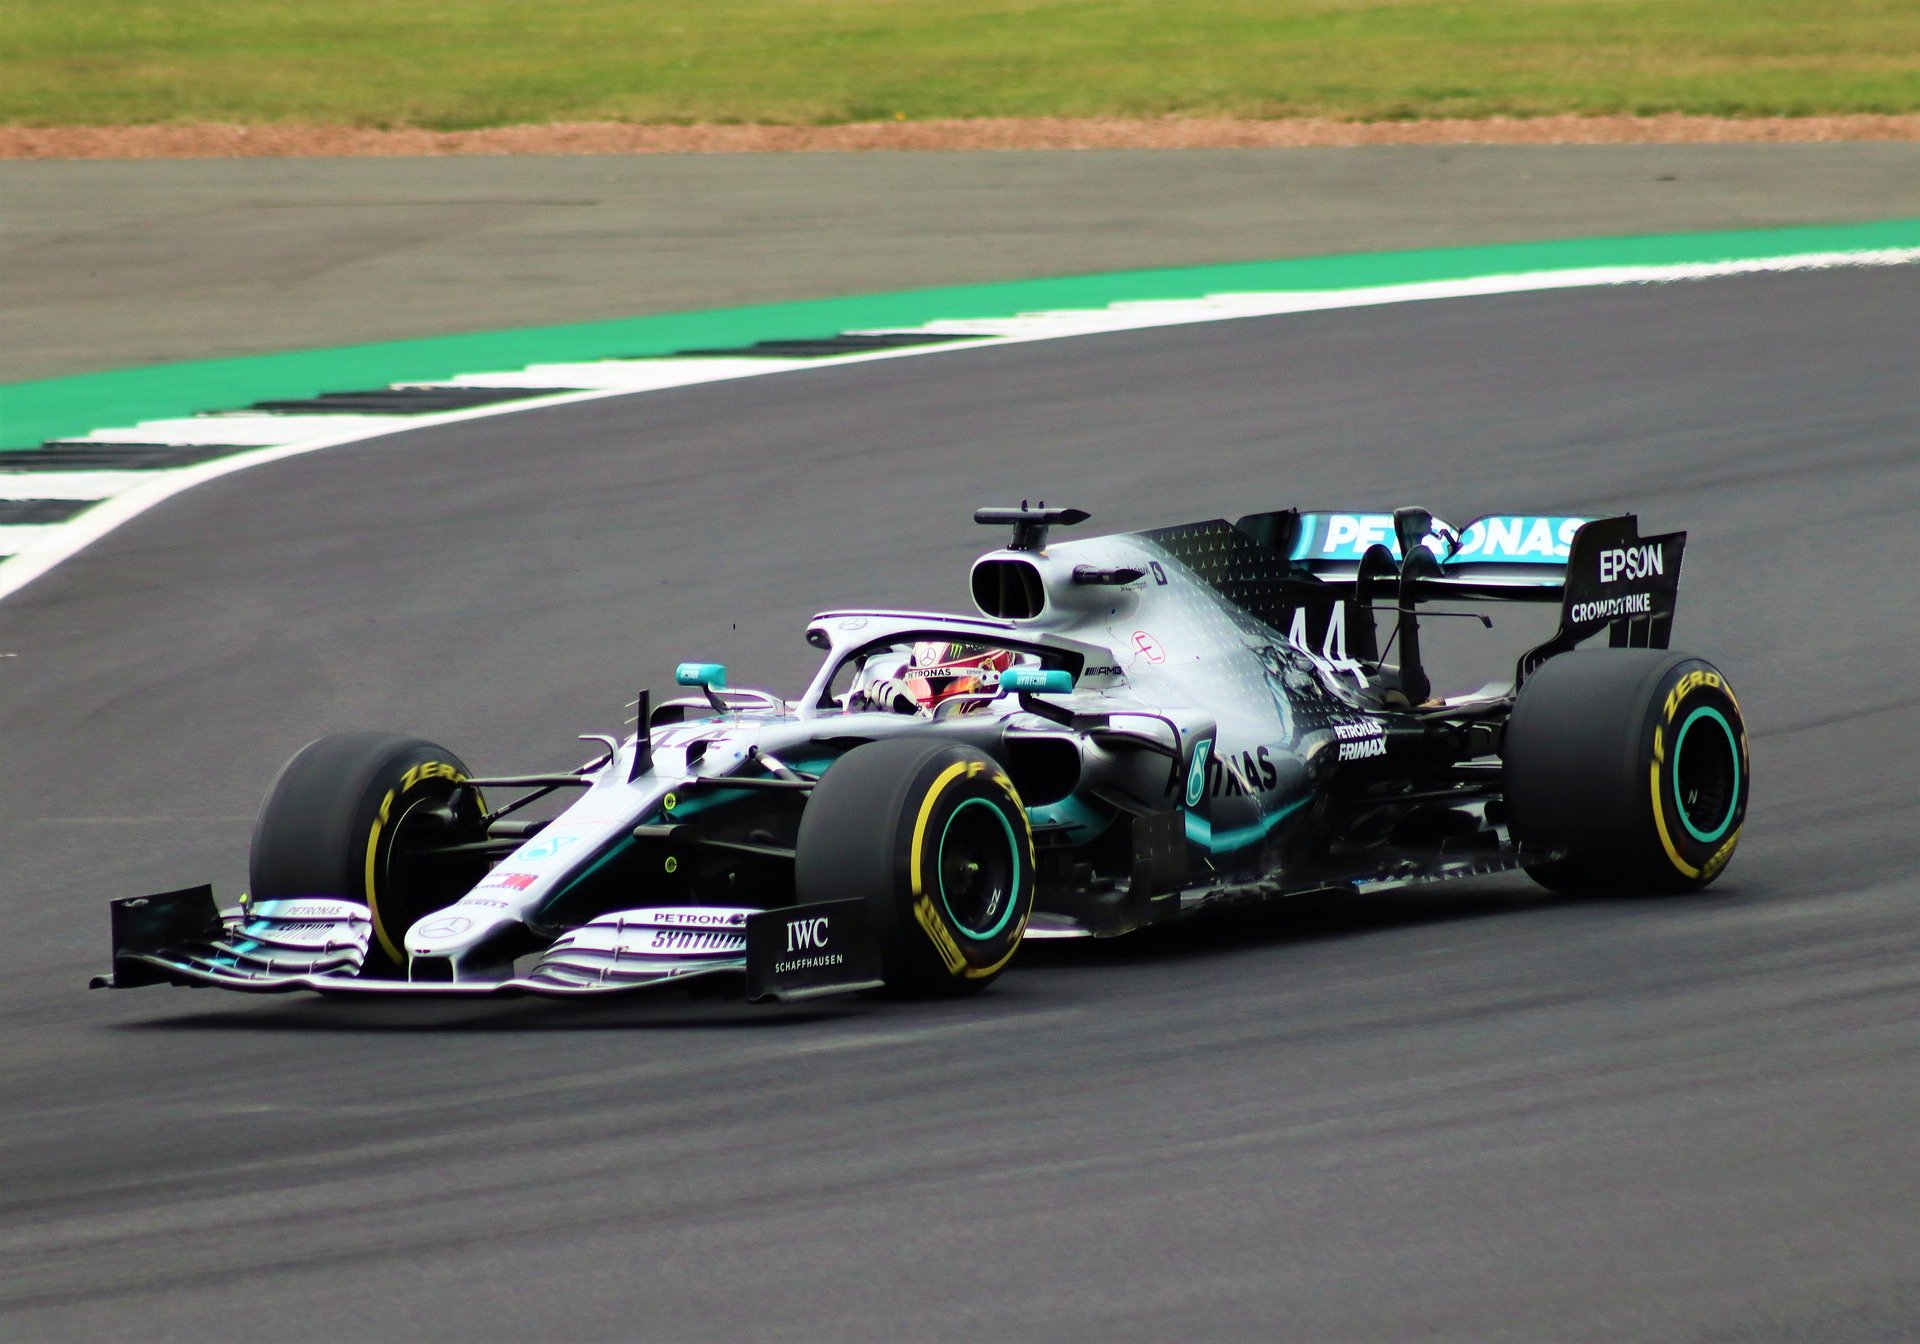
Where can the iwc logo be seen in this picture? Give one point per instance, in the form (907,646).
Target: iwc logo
(806,935)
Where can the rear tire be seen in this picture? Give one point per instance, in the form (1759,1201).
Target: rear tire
(933,837)
(345,819)
(1634,761)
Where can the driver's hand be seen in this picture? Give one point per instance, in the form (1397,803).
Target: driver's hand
(890,695)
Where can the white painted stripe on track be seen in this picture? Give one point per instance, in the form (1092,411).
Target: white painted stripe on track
(20,539)
(66,484)
(1143,314)
(628,375)
(155,487)
(258,429)
(35,549)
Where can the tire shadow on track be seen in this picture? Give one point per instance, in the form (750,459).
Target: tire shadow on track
(1313,919)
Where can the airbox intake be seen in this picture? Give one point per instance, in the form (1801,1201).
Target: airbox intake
(1009,590)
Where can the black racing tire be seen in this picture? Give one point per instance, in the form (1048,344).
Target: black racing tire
(1634,761)
(345,819)
(934,838)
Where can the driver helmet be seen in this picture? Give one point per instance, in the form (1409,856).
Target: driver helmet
(939,670)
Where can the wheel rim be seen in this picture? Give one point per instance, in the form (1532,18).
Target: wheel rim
(414,879)
(1706,781)
(979,869)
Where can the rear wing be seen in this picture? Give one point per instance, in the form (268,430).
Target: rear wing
(1603,574)
(1503,557)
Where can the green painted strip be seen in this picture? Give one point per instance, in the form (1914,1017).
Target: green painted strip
(59,407)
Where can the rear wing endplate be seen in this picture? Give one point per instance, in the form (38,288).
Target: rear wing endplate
(1618,581)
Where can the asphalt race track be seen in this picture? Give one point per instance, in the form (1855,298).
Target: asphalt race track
(1478,1114)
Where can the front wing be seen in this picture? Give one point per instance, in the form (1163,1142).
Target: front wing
(320,944)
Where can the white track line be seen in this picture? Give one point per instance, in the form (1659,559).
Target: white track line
(253,429)
(1134,316)
(23,539)
(629,375)
(157,486)
(127,494)
(66,484)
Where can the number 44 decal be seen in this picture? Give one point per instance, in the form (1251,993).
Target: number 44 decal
(1331,657)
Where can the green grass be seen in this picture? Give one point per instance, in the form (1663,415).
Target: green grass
(466,63)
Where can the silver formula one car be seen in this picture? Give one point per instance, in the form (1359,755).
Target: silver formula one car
(1135,728)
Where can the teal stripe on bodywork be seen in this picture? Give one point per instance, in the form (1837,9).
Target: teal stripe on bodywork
(64,407)
(1200,831)
(619,848)
(1081,821)
(687,805)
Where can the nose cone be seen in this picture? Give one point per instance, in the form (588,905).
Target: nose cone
(455,931)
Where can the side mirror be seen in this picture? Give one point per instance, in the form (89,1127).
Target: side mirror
(1052,681)
(711,675)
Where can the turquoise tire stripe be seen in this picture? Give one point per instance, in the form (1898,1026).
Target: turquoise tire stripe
(1733,797)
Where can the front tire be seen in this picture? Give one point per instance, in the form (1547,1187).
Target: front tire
(934,838)
(1634,761)
(350,816)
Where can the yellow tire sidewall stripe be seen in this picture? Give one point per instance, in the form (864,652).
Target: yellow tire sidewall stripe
(1675,701)
(1660,824)
(418,774)
(923,912)
(373,854)
(915,870)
